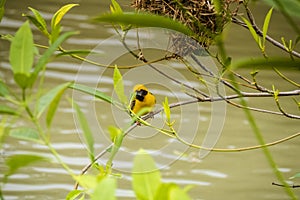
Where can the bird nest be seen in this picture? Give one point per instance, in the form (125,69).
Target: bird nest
(198,15)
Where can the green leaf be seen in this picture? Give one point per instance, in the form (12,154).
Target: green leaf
(295,176)
(284,44)
(2,4)
(3,131)
(57,17)
(32,20)
(44,59)
(171,191)
(119,87)
(115,7)
(146,176)
(92,91)
(4,92)
(55,34)
(178,194)
(290,6)
(88,135)
(15,162)
(53,106)
(22,52)
(253,32)
(254,73)
(51,100)
(23,80)
(297,103)
(167,110)
(25,133)
(87,181)
(82,197)
(275,93)
(286,78)
(163,191)
(50,97)
(74,194)
(105,189)
(270,62)
(39,21)
(77,52)
(218,4)
(7,37)
(145,20)
(116,136)
(290,45)
(4,109)
(266,26)
(297,39)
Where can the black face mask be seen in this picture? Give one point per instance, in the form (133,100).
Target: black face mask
(140,94)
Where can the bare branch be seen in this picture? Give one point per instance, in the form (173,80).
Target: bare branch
(268,38)
(281,185)
(283,111)
(254,109)
(142,58)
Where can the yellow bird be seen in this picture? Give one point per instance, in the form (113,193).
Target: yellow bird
(141,99)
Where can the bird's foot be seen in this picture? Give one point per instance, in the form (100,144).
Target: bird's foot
(138,123)
(151,114)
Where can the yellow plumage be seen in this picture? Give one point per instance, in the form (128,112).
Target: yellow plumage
(142,98)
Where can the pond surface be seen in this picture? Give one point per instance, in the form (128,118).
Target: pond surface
(239,175)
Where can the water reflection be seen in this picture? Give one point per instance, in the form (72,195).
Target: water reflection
(211,173)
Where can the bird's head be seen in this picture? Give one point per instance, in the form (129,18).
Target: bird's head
(140,92)
(139,87)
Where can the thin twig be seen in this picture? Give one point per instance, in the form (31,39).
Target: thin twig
(265,93)
(241,77)
(261,88)
(102,153)
(254,109)
(283,111)
(229,85)
(112,66)
(141,57)
(268,38)
(286,78)
(281,185)
(227,99)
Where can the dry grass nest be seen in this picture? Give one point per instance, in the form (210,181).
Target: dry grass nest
(198,15)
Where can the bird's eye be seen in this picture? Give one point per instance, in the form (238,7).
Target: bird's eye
(144,92)
(140,94)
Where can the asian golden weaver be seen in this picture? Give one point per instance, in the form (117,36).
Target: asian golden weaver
(141,99)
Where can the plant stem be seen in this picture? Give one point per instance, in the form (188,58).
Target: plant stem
(44,136)
(52,150)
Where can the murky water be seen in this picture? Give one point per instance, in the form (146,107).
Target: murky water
(243,175)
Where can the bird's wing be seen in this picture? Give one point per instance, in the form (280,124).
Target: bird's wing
(132,104)
(132,100)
